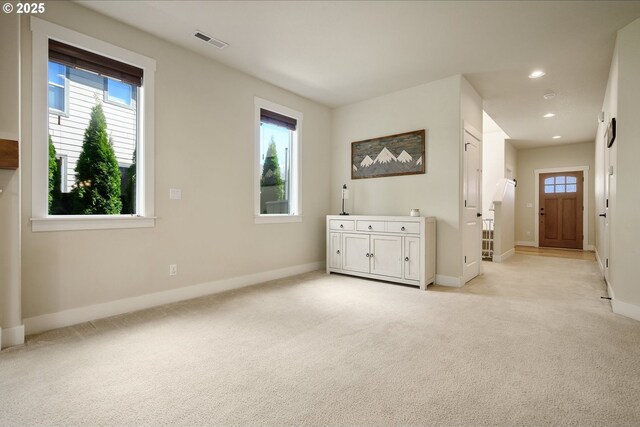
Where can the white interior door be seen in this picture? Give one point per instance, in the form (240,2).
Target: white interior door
(471,217)
(355,255)
(607,214)
(386,255)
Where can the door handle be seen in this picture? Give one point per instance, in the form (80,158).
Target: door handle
(478,215)
(603,215)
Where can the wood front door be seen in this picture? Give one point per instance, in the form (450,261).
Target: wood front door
(560,214)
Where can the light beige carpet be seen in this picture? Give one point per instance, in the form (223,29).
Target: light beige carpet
(528,343)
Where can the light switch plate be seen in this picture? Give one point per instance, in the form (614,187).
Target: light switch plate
(175,194)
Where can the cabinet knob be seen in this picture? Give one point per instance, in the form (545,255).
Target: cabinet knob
(338,251)
(341,226)
(406,258)
(370,228)
(367,255)
(402,229)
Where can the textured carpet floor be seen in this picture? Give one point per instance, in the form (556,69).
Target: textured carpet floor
(528,343)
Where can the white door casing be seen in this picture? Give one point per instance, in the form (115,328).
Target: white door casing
(472,206)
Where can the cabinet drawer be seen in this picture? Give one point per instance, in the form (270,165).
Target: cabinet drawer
(370,225)
(403,227)
(338,224)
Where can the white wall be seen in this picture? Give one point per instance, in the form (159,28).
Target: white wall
(493,163)
(510,161)
(621,101)
(204,145)
(435,107)
(10,308)
(549,157)
(504,201)
(498,157)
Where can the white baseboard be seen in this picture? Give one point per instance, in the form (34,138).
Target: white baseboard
(526,243)
(505,256)
(625,309)
(448,281)
(590,248)
(12,336)
(74,316)
(622,308)
(600,264)
(609,290)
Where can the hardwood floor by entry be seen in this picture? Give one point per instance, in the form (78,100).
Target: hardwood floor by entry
(557,253)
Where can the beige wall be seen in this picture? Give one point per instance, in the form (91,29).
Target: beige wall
(204,145)
(10,315)
(542,158)
(435,107)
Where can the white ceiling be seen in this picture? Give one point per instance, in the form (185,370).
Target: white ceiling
(341,52)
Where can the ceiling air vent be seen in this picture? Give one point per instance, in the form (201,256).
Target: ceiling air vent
(205,38)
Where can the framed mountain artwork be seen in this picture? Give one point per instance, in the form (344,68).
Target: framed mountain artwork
(393,155)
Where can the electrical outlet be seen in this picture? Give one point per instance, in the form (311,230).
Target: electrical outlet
(173,270)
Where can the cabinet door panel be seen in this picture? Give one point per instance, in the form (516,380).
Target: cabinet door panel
(355,248)
(386,259)
(412,258)
(335,250)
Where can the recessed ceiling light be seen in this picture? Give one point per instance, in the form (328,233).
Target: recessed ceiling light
(546,116)
(549,95)
(536,74)
(556,137)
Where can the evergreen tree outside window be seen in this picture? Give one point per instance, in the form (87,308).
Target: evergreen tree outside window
(100,141)
(278,162)
(87,66)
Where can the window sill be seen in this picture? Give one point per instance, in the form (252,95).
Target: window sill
(90,222)
(274,219)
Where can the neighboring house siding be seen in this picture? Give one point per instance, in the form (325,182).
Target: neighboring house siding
(67,132)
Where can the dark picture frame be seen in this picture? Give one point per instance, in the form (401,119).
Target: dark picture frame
(392,155)
(610,134)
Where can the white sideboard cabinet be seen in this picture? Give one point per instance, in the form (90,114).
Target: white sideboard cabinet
(398,249)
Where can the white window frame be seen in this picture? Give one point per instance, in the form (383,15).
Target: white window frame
(295,202)
(65,110)
(106,98)
(42,31)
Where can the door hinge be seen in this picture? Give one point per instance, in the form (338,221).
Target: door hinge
(465,203)
(607,263)
(465,259)
(607,202)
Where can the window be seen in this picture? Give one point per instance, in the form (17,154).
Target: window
(57,88)
(119,92)
(277,165)
(103,181)
(561,184)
